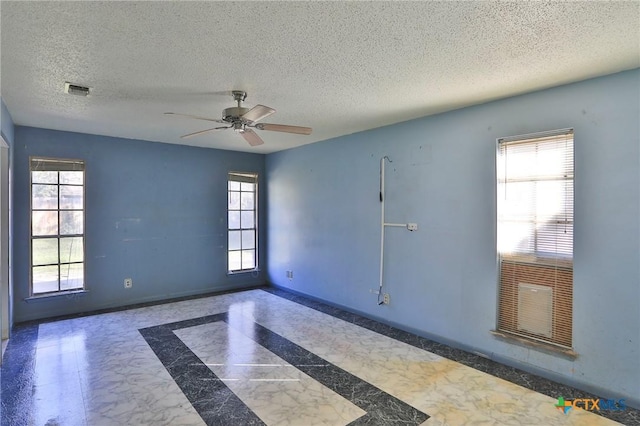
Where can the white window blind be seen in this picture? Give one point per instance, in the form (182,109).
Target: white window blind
(535,175)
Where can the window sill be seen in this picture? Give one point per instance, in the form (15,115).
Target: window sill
(48,296)
(534,344)
(254,272)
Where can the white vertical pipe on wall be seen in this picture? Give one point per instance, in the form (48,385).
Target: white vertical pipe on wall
(383,224)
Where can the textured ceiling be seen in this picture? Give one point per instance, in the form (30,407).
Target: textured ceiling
(339,67)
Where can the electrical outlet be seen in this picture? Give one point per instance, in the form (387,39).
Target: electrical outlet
(128,283)
(412,226)
(386,299)
(290,275)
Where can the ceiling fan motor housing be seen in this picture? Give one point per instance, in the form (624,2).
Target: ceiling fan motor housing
(233,113)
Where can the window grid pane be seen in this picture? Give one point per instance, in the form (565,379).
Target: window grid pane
(44,197)
(57,225)
(72,276)
(44,222)
(45,279)
(44,252)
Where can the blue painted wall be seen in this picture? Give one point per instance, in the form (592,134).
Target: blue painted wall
(324,225)
(154,212)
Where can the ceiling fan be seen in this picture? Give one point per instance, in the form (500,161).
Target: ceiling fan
(243,120)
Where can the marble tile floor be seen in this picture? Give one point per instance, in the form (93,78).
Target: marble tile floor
(262,357)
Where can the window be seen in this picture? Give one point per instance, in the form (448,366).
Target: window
(57,225)
(535,236)
(242,227)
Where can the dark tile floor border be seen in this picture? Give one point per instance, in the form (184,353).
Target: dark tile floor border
(17,376)
(629,416)
(217,404)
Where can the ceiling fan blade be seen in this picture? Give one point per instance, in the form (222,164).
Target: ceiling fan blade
(204,131)
(195,116)
(257,113)
(252,137)
(284,128)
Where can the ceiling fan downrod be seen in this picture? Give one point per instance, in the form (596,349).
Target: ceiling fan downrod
(239,96)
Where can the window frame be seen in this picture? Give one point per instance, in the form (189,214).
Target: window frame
(537,255)
(58,165)
(537,258)
(243,177)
